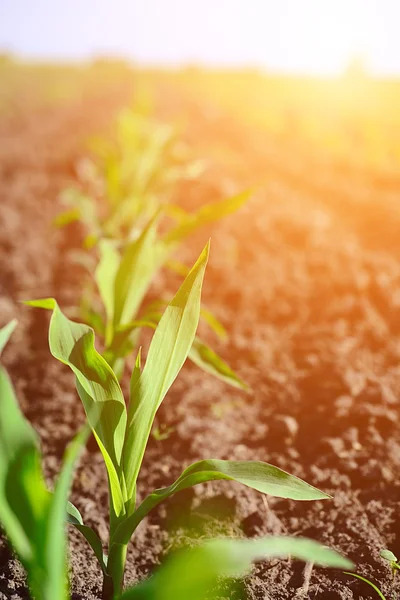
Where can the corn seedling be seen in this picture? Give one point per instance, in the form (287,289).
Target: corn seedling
(122,431)
(123,278)
(135,171)
(33,518)
(129,176)
(394,565)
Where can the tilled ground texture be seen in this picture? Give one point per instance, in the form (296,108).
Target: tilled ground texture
(307,281)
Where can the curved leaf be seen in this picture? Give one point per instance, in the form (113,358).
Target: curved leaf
(206,214)
(32,517)
(73,344)
(194,573)
(208,360)
(134,274)
(74,517)
(105,275)
(19,465)
(259,476)
(56,537)
(365,580)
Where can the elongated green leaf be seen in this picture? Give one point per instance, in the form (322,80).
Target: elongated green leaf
(74,517)
(213,323)
(20,505)
(73,344)
(205,314)
(208,360)
(194,573)
(260,476)
(206,214)
(136,372)
(56,535)
(6,332)
(31,516)
(105,275)
(167,353)
(365,580)
(135,272)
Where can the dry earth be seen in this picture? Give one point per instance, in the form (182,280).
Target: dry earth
(306,279)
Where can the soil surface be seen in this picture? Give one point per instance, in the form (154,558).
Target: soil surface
(306,279)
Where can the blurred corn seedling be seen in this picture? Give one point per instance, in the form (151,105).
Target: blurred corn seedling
(128,215)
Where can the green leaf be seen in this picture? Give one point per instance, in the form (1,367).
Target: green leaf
(194,573)
(388,555)
(135,272)
(167,353)
(374,587)
(205,314)
(31,516)
(6,332)
(23,496)
(206,214)
(137,370)
(73,344)
(213,323)
(205,358)
(56,537)
(105,275)
(259,476)
(74,517)
(122,344)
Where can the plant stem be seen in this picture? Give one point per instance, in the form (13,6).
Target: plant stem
(114,581)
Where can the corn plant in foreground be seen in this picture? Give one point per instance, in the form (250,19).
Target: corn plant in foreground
(394,565)
(122,431)
(32,516)
(34,521)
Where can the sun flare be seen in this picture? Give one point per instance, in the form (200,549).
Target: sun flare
(328,35)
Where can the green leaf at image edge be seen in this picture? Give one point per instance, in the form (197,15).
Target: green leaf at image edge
(193,573)
(365,580)
(32,517)
(98,387)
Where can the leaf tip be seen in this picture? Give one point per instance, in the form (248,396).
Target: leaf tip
(47,303)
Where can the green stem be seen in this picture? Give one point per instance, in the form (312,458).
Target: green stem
(114,581)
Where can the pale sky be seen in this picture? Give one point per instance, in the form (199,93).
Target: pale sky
(300,36)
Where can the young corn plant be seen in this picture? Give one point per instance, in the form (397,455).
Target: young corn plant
(123,277)
(122,431)
(32,517)
(394,566)
(128,177)
(129,184)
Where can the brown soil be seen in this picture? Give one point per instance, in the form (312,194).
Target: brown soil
(305,278)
